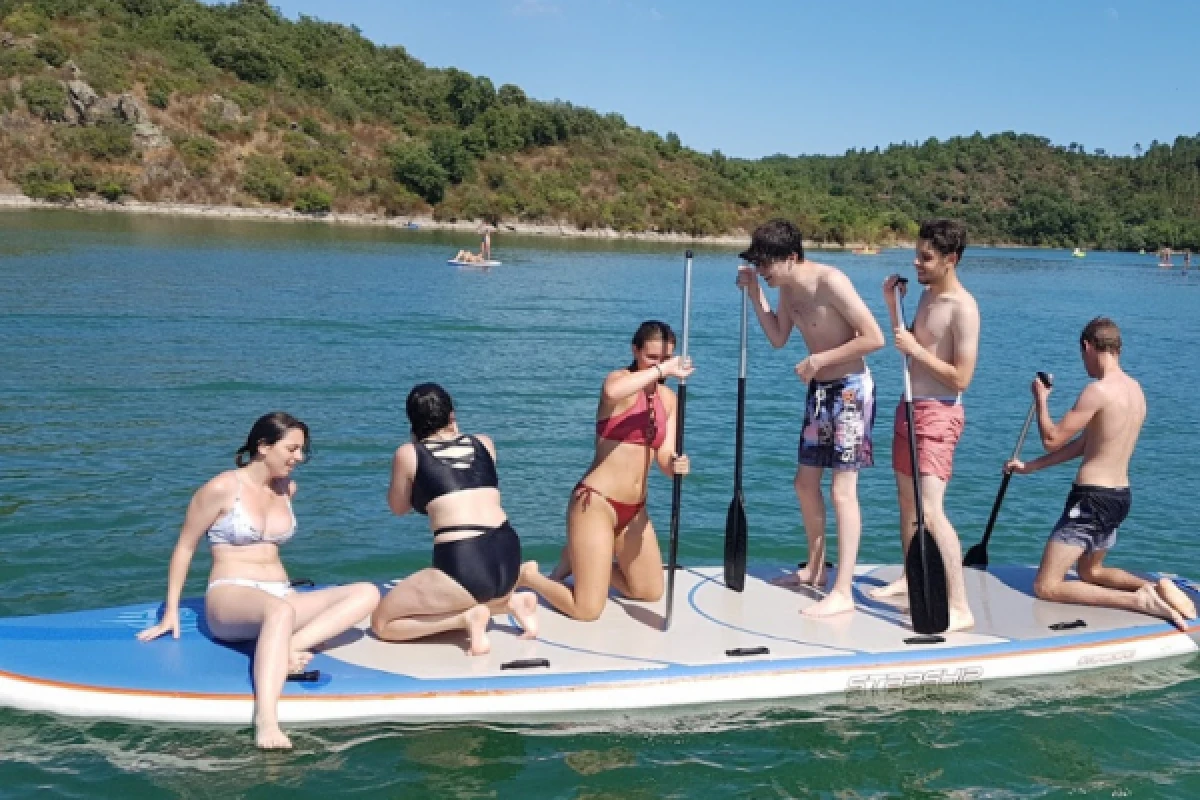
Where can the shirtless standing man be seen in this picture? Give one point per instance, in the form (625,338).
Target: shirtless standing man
(839,331)
(1108,417)
(942,349)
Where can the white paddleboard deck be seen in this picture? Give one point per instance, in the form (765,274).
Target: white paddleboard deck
(454,262)
(722,647)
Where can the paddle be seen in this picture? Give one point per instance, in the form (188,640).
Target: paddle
(923,564)
(977,556)
(677,487)
(735,520)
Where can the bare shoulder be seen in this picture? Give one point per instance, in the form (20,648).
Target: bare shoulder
(487,442)
(406,456)
(221,487)
(965,303)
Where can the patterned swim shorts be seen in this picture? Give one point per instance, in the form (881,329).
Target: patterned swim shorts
(838,418)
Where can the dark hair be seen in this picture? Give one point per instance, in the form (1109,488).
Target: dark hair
(649,331)
(269,429)
(1103,335)
(429,408)
(946,236)
(774,241)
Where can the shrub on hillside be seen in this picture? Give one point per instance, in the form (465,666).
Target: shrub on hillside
(16,61)
(267,179)
(47,180)
(46,98)
(51,50)
(313,200)
(108,141)
(198,154)
(158,92)
(414,168)
(8,100)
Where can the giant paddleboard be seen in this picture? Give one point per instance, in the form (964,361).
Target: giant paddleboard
(722,647)
(454,262)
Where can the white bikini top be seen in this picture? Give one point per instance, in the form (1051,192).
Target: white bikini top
(234,527)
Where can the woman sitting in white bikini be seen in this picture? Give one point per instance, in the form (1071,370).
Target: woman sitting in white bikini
(247,514)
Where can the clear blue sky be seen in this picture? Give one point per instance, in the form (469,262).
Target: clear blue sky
(756,77)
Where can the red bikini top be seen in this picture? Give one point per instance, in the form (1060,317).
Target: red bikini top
(642,423)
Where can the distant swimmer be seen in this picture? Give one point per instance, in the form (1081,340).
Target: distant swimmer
(450,476)
(1102,428)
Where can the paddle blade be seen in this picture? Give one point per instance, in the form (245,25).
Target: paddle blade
(735,544)
(976,556)
(927,599)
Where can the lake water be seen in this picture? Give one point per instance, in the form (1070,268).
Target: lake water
(135,353)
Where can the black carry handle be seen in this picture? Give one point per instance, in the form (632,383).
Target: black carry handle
(526,663)
(977,556)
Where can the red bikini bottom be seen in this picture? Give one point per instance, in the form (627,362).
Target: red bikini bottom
(625,511)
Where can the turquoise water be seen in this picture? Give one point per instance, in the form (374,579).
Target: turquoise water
(135,353)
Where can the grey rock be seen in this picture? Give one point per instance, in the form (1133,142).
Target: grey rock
(229,110)
(149,136)
(130,110)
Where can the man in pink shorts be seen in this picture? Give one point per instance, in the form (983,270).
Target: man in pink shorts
(941,348)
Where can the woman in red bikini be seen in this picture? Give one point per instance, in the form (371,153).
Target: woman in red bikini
(606,518)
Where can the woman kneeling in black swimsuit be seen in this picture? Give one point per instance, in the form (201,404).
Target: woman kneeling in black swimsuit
(451,477)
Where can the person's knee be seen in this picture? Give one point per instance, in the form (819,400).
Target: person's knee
(1088,571)
(379,622)
(280,614)
(844,493)
(1046,587)
(367,595)
(647,591)
(588,609)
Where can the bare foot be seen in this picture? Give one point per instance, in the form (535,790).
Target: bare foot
(812,574)
(1176,597)
(529,568)
(477,620)
(298,660)
(960,621)
(1150,602)
(893,589)
(268,736)
(835,602)
(523,606)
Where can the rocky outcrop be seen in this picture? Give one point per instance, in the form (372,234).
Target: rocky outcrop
(88,108)
(228,110)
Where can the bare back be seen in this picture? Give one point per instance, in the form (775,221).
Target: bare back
(1112,433)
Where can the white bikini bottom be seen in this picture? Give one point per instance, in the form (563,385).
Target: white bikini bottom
(280,589)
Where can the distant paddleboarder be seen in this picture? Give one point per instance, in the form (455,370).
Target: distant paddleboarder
(942,348)
(839,407)
(1102,428)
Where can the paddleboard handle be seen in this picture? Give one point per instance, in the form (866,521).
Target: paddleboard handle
(308,676)
(526,663)
(1067,626)
(302,582)
(739,652)
(932,639)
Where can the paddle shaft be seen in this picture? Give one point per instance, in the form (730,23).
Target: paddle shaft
(735,519)
(741,404)
(680,408)
(1047,380)
(918,540)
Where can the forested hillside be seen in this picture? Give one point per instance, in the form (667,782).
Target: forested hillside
(175,100)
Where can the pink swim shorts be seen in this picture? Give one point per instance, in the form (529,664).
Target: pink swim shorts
(939,427)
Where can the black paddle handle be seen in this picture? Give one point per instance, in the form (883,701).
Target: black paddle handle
(676,501)
(680,409)
(740,437)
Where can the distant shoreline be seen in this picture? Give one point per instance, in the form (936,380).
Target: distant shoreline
(19,202)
